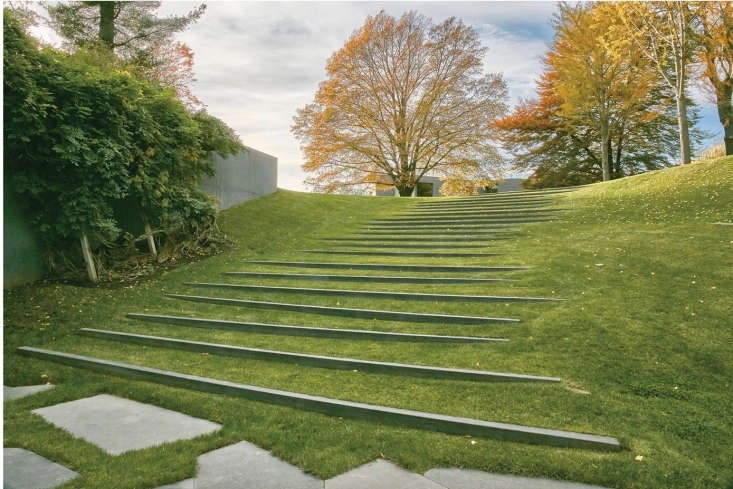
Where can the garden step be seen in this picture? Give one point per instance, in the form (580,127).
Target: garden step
(488,214)
(369,278)
(480,202)
(335,407)
(478,215)
(316,360)
(413,239)
(443,246)
(438,228)
(388,266)
(479,206)
(348,312)
(419,296)
(432,235)
(451,223)
(482,211)
(402,253)
(475,217)
(315,332)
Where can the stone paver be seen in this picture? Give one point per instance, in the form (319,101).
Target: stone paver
(23,469)
(474,479)
(246,466)
(118,425)
(380,474)
(10,393)
(184,484)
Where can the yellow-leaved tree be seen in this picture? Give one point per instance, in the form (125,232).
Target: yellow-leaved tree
(402,98)
(664,32)
(610,93)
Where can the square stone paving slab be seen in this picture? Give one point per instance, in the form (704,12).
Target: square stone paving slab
(118,425)
(474,479)
(246,466)
(380,474)
(10,393)
(23,469)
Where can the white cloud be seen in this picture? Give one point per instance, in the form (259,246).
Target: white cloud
(256,63)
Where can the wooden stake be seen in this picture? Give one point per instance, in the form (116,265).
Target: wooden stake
(88,258)
(149,234)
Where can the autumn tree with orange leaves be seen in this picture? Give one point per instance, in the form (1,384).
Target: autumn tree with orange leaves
(172,66)
(597,116)
(402,98)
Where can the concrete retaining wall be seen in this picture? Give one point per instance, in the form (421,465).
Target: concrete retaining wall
(247,175)
(22,262)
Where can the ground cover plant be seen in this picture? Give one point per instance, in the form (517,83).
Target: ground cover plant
(643,343)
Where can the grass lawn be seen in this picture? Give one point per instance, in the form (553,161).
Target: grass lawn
(644,344)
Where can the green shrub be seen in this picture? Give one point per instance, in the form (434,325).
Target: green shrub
(83,131)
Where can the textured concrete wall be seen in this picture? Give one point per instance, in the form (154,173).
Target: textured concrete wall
(247,175)
(22,261)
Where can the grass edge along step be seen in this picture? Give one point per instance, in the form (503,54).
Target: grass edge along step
(348,312)
(319,361)
(334,407)
(483,216)
(369,278)
(388,266)
(421,240)
(447,254)
(376,294)
(484,211)
(396,245)
(475,235)
(309,331)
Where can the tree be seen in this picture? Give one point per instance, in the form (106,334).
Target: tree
(130,29)
(402,98)
(597,116)
(173,67)
(663,32)
(594,86)
(715,52)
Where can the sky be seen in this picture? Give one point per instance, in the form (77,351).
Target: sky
(256,63)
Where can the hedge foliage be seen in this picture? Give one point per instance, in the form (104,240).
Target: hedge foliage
(83,132)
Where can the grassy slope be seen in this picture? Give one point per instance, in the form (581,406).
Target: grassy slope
(646,332)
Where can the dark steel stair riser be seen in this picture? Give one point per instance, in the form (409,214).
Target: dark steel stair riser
(414,317)
(335,407)
(318,361)
(306,331)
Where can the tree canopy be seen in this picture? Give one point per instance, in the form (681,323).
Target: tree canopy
(402,98)
(603,111)
(131,29)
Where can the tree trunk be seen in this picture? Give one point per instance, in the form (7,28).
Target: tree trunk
(107,23)
(88,259)
(605,151)
(684,129)
(406,190)
(725,114)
